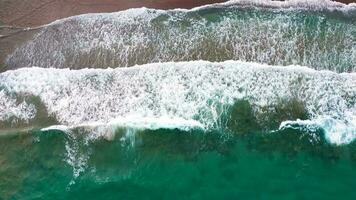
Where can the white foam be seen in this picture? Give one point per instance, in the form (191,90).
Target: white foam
(127,16)
(137,36)
(135,123)
(184,94)
(13,110)
(75,158)
(62,128)
(337,131)
(294,4)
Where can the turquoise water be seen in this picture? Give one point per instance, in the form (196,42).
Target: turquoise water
(224,102)
(166,164)
(241,161)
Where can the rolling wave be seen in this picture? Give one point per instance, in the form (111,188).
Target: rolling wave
(202,92)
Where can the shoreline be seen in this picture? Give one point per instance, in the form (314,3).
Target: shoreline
(39,12)
(15,14)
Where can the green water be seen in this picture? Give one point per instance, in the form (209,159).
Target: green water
(171,164)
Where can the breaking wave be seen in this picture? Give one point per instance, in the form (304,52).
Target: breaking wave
(194,94)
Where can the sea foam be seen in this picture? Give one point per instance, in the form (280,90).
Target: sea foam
(278,36)
(290,4)
(183,94)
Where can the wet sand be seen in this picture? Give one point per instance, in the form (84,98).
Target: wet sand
(31,13)
(37,12)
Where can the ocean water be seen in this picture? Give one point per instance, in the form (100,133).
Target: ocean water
(174,164)
(245,99)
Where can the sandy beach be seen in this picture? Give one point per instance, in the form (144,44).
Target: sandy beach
(37,12)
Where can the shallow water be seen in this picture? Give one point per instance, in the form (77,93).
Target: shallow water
(320,39)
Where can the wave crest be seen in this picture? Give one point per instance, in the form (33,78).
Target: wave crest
(200,91)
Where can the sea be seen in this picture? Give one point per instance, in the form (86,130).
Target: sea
(237,100)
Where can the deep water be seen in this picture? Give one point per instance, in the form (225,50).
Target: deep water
(173,164)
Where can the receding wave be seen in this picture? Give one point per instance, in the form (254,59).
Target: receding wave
(212,96)
(294,4)
(319,34)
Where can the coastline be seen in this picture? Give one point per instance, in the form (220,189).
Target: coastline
(38,12)
(16,15)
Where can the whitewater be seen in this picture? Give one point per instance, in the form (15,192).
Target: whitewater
(317,34)
(184,90)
